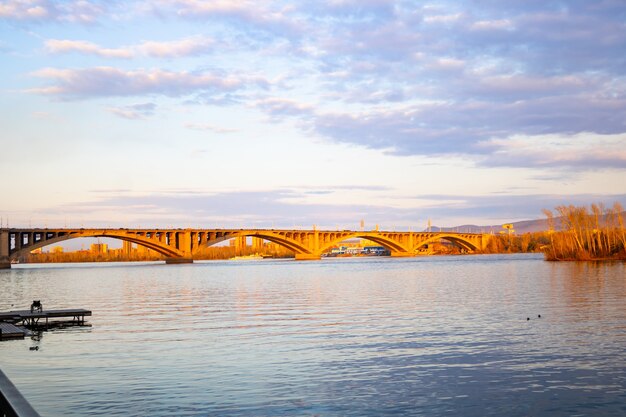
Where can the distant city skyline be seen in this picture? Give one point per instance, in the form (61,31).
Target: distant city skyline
(282,114)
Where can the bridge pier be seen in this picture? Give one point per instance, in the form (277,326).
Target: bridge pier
(402,254)
(174,261)
(484,241)
(5,245)
(307,257)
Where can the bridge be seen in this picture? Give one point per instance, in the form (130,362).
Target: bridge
(180,245)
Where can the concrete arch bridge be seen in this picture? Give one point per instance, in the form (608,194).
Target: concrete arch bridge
(180,245)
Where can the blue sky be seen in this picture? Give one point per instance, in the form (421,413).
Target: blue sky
(244,113)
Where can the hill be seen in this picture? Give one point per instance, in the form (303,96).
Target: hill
(525,226)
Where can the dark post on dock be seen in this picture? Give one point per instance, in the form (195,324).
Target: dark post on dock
(12,403)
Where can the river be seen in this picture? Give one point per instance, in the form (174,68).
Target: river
(338,337)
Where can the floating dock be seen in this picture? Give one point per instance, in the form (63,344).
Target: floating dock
(11,331)
(42,318)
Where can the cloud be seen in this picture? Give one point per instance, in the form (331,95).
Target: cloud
(56,46)
(134,111)
(25,9)
(209,127)
(472,108)
(442,18)
(171,49)
(492,25)
(477,128)
(184,47)
(505,207)
(353,10)
(455,77)
(580,151)
(276,208)
(269,17)
(352,187)
(483,78)
(285,208)
(111,82)
(111,190)
(280,108)
(78,11)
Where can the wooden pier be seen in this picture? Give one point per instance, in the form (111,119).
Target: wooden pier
(42,318)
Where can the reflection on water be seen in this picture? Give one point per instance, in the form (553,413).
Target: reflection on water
(341,337)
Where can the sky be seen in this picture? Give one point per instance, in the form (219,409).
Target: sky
(289,114)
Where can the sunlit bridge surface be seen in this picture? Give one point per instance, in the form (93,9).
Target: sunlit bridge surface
(182,245)
(342,337)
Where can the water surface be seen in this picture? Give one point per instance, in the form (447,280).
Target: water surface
(340,337)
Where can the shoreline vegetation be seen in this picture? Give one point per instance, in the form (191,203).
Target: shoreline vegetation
(574,234)
(586,234)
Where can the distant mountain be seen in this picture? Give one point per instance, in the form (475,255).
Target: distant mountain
(526,226)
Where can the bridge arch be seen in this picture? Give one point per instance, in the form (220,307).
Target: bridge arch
(379,238)
(459,241)
(163,249)
(277,238)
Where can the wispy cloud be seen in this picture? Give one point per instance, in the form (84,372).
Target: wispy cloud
(281,108)
(109,82)
(20,9)
(492,25)
(57,46)
(269,16)
(165,49)
(284,208)
(580,151)
(209,127)
(77,11)
(172,49)
(134,111)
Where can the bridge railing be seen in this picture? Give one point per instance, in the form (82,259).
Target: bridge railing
(12,403)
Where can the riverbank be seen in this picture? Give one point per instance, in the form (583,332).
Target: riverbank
(617,257)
